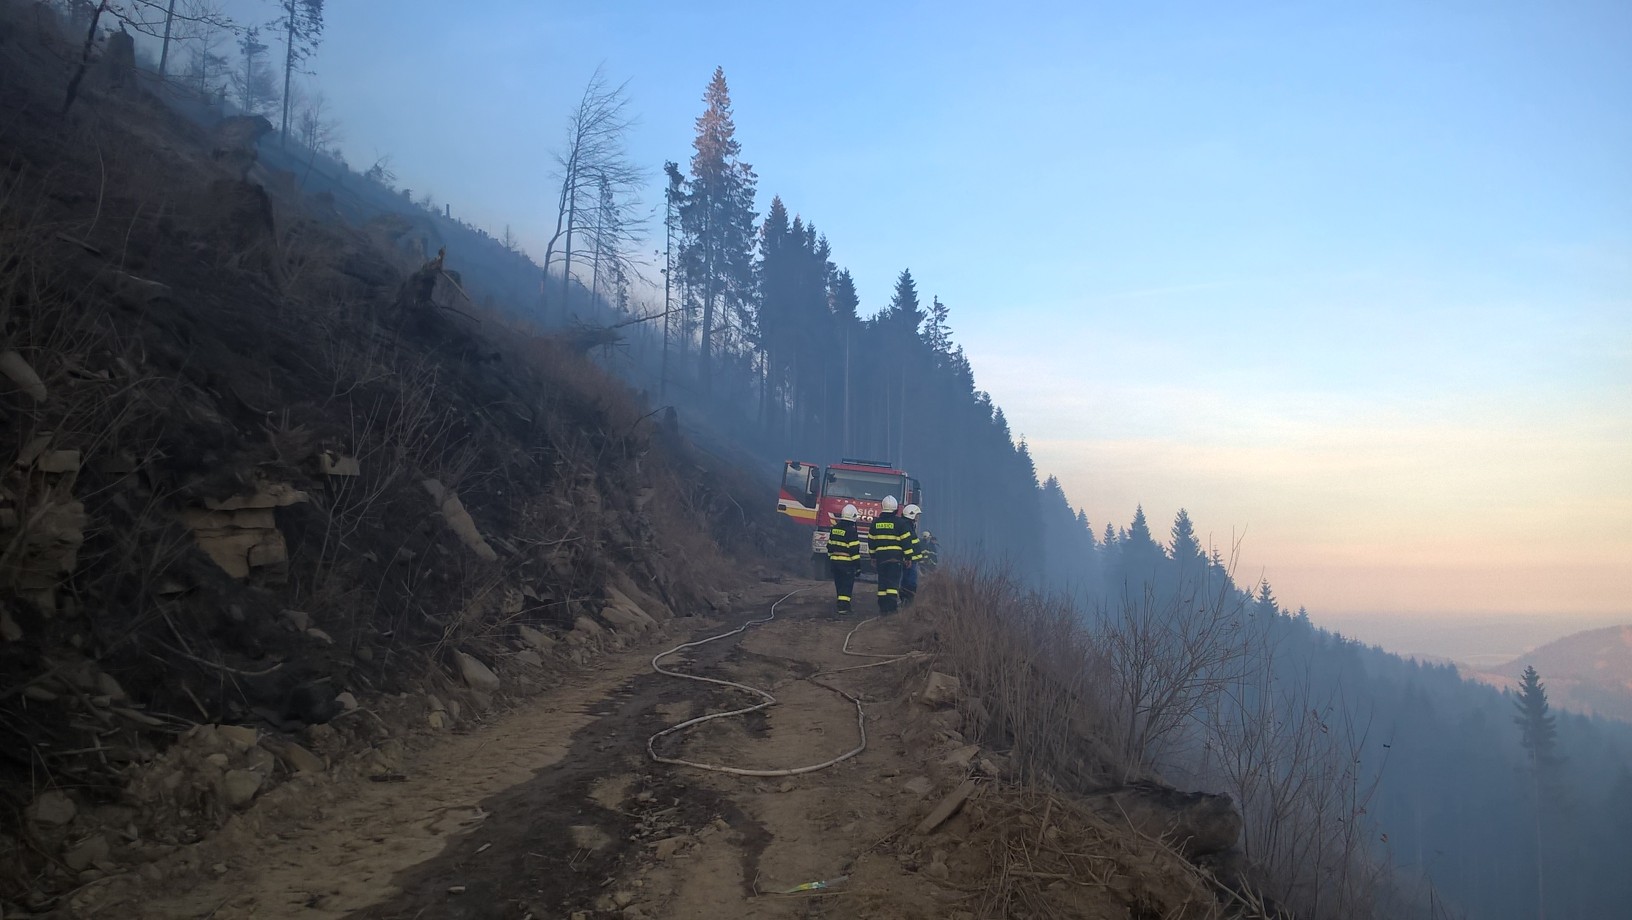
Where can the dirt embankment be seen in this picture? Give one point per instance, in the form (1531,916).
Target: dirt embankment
(276,500)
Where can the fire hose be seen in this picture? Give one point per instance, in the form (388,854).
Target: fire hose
(766,700)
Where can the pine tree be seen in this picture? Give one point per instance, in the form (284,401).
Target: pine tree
(904,313)
(937,334)
(1538,733)
(1266,605)
(718,214)
(1185,548)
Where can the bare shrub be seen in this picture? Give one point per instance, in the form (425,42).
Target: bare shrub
(1173,649)
(1033,680)
(1292,757)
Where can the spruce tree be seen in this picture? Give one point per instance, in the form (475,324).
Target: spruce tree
(1185,548)
(904,314)
(718,217)
(1538,733)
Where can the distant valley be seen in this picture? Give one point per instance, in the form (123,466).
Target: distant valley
(1588,672)
(1585,661)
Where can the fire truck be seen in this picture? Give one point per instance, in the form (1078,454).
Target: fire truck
(815,497)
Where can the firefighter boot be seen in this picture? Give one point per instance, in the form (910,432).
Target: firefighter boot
(844,585)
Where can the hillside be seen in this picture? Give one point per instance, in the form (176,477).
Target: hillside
(314,564)
(1588,672)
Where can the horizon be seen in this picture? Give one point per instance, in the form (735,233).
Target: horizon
(1378,319)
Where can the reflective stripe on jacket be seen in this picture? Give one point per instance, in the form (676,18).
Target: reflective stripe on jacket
(885,538)
(843,542)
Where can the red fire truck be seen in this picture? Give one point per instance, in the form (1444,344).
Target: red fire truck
(815,497)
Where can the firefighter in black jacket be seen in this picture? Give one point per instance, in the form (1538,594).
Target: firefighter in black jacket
(913,554)
(885,541)
(844,556)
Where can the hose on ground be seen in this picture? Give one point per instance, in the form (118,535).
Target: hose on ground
(767,700)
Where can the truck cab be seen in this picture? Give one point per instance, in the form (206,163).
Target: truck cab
(815,496)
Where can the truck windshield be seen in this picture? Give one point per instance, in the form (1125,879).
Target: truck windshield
(868,486)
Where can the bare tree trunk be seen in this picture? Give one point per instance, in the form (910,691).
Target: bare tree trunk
(1541,890)
(288,69)
(668,308)
(164,47)
(595,270)
(566,259)
(84,57)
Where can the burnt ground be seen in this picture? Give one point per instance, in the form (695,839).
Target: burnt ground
(550,846)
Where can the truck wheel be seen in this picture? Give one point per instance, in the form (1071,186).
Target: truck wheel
(818,568)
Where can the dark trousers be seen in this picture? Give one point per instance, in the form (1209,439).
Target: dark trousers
(844,582)
(889,586)
(909,584)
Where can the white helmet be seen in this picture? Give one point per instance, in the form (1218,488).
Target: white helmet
(911,512)
(889,503)
(849,513)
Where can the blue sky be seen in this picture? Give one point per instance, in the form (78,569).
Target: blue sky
(1355,282)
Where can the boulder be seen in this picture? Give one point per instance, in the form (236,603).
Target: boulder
(22,375)
(963,756)
(535,638)
(242,737)
(478,675)
(81,855)
(458,519)
(301,760)
(940,690)
(240,786)
(627,619)
(1199,823)
(51,809)
(108,687)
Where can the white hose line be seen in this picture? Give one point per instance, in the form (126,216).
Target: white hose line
(767,700)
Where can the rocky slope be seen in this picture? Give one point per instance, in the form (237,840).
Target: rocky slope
(275,493)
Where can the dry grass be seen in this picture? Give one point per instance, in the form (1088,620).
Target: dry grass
(1034,682)
(1045,856)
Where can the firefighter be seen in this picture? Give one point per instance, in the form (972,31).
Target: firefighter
(844,556)
(884,539)
(912,554)
(929,551)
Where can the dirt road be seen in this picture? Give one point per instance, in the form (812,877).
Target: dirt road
(555,809)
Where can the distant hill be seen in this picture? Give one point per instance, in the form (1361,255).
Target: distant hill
(1587,672)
